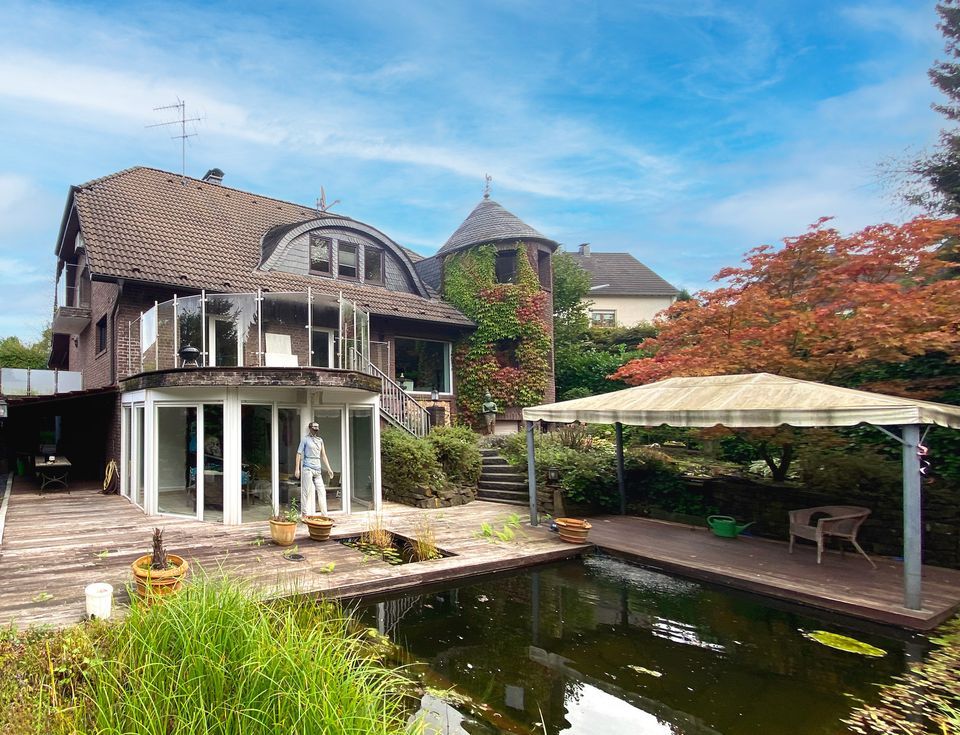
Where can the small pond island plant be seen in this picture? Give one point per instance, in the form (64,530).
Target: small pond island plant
(159,573)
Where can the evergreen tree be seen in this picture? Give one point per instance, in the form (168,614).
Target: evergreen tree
(933,182)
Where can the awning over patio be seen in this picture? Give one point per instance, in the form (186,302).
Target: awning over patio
(764,400)
(737,401)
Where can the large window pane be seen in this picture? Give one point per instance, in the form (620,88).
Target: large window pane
(137,494)
(256,462)
(424,362)
(331,433)
(127,460)
(288,433)
(177,460)
(361,465)
(213,462)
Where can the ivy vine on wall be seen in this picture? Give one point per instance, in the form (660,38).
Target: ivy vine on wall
(509,353)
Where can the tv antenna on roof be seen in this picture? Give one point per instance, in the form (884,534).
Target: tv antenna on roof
(182,121)
(322,205)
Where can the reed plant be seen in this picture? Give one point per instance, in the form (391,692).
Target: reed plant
(424,542)
(215,660)
(376,534)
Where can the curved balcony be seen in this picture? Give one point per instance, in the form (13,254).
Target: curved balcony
(290,330)
(263,339)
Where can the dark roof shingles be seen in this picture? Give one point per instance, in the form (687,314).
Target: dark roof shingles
(622,275)
(489,222)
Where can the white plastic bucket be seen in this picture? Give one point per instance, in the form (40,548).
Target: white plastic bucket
(99,600)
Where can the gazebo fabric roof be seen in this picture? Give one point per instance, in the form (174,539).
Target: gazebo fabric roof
(740,401)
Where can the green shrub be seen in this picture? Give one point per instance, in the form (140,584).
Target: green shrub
(458,452)
(588,466)
(408,462)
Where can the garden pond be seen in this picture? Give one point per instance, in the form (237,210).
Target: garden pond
(598,646)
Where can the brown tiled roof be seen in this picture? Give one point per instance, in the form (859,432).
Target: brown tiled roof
(154,226)
(623,275)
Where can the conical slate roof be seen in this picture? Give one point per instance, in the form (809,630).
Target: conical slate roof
(489,222)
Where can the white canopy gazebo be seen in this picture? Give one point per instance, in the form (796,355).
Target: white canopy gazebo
(763,400)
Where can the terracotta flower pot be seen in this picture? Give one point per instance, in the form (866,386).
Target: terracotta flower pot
(573,530)
(319,527)
(155,584)
(282,532)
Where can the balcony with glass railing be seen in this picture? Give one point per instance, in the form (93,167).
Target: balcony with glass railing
(71,313)
(265,330)
(30,382)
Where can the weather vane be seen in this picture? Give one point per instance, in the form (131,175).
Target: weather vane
(487,180)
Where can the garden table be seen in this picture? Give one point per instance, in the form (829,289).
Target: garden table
(52,474)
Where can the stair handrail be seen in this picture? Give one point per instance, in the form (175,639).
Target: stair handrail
(398,405)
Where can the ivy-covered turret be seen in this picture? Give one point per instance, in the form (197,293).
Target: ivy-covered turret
(497,270)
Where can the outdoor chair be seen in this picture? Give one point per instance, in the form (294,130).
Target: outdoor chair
(837,521)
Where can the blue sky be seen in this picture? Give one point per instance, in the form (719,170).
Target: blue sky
(684,133)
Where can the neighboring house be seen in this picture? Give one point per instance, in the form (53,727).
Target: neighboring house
(623,291)
(213,325)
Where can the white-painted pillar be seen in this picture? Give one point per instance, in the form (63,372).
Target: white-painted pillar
(912,519)
(531,475)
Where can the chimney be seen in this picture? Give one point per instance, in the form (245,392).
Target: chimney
(213,176)
(584,248)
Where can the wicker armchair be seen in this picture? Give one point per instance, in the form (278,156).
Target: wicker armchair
(838,521)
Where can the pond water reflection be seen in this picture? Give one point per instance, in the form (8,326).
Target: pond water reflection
(600,646)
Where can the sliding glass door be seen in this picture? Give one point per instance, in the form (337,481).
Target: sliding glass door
(362,457)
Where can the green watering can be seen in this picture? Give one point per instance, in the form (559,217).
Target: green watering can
(726,526)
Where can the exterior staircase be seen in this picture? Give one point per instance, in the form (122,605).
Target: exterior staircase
(501,482)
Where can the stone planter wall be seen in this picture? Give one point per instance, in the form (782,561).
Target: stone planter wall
(425,497)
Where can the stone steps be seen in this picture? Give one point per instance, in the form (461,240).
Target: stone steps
(500,482)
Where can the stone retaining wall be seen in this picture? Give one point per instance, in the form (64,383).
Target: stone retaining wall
(425,497)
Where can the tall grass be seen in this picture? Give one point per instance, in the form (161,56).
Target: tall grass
(215,660)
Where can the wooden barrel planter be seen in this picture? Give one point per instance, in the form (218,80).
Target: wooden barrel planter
(319,527)
(282,532)
(156,584)
(573,530)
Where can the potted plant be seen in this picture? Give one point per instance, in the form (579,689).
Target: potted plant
(283,526)
(573,530)
(319,527)
(159,574)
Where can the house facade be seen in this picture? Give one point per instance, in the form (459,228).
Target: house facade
(227,321)
(623,291)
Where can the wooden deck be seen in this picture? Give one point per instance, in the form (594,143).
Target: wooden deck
(55,545)
(844,584)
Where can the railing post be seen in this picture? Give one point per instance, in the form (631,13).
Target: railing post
(203,325)
(176,333)
(309,326)
(259,327)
